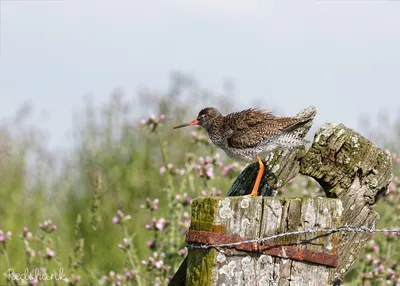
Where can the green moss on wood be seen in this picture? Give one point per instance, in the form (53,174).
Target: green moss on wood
(204,212)
(201,263)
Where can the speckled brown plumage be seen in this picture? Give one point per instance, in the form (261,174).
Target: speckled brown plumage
(252,126)
(246,134)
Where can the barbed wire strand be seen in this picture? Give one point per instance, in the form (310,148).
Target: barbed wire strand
(345,228)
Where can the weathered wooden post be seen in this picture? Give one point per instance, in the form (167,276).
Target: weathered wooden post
(354,173)
(299,259)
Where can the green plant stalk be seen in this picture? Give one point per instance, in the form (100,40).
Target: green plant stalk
(186,178)
(171,194)
(165,162)
(5,252)
(28,257)
(133,258)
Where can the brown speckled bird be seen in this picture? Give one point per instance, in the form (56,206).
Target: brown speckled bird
(249,134)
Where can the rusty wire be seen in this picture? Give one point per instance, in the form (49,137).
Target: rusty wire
(345,228)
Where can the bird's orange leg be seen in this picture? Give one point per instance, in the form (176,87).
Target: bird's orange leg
(254,192)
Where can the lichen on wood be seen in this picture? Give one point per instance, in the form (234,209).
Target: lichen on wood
(252,218)
(356,171)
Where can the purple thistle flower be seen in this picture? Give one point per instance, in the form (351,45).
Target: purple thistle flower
(50,253)
(392,186)
(160,224)
(158,264)
(115,220)
(210,172)
(376,260)
(163,170)
(150,244)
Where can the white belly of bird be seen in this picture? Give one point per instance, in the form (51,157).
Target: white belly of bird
(283,141)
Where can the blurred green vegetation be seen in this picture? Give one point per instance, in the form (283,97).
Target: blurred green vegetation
(115,165)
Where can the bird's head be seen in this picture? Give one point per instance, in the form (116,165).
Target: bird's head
(204,119)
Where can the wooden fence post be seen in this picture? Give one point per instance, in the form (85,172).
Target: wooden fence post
(356,171)
(219,220)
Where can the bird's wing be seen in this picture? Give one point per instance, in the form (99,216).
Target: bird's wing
(247,118)
(250,127)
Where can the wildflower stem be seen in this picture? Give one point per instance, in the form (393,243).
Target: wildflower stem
(133,258)
(6,256)
(186,177)
(171,194)
(165,161)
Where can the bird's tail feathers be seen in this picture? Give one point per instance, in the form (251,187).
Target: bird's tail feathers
(289,141)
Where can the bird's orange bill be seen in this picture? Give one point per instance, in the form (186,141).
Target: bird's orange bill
(194,122)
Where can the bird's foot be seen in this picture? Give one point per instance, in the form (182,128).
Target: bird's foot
(254,192)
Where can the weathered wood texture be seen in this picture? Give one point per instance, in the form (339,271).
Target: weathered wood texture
(281,166)
(356,171)
(262,217)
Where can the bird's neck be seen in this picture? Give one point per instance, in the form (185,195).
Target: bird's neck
(216,127)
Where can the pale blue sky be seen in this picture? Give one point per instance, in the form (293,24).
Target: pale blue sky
(341,56)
